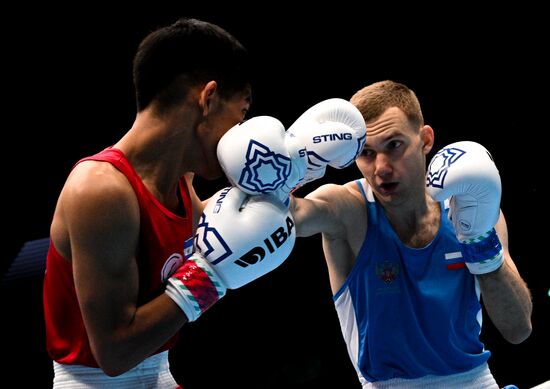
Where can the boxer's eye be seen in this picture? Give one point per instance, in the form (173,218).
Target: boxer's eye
(394,144)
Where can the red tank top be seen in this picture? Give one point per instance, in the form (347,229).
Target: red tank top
(163,236)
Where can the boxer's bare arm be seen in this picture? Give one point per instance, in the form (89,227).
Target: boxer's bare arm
(316,213)
(506,296)
(99,214)
(338,212)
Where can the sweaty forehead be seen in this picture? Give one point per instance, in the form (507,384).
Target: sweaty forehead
(393,121)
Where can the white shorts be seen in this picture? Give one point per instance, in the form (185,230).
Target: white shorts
(477,378)
(153,372)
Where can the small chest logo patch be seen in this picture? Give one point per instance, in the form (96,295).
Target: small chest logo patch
(173,262)
(387,271)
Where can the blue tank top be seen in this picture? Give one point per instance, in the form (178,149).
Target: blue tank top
(406,312)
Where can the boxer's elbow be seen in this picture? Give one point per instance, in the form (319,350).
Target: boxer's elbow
(111,367)
(113,363)
(518,333)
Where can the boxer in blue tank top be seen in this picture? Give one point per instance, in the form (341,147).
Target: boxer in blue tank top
(409,254)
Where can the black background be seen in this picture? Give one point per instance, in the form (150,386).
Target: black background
(480,74)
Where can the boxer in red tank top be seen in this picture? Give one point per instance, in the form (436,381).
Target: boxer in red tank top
(125,216)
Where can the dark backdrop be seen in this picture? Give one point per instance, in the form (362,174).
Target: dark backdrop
(479,74)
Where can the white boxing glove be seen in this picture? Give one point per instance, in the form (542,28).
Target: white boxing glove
(239,238)
(259,157)
(255,157)
(332,132)
(466,173)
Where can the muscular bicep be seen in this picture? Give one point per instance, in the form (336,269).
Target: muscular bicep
(318,212)
(102,218)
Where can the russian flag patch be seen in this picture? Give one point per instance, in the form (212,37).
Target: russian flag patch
(454,261)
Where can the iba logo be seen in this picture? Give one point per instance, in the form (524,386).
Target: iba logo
(437,171)
(212,245)
(271,243)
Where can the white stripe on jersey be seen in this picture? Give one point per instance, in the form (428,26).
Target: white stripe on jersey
(350,331)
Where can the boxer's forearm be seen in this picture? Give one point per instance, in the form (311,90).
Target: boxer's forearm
(508,302)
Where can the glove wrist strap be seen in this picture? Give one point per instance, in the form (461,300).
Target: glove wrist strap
(195,287)
(483,254)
